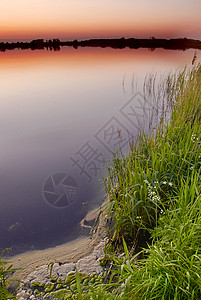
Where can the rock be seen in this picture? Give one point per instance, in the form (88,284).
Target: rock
(23,294)
(59,279)
(61,293)
(63,270)
(90,264)
(40,275)
(70,278)
(90,220)
(49,287)
(86,265)
(13,287)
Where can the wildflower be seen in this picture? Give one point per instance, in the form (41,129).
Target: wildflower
(156,198)
(164,182)
(170,184)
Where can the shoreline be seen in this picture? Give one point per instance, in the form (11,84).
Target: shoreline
(120,43)
(71,251)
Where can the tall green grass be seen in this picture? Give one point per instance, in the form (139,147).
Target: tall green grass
(155,197)
(157,188)
(6,270)
(142,184)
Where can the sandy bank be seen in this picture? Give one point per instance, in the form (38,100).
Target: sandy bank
(69,252)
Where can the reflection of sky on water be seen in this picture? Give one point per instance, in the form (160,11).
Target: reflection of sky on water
(50,109)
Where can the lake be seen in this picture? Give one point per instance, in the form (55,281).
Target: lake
(62,115)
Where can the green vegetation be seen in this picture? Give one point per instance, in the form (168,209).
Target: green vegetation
(5,271)
(148,181)
(75,286)
(154,210)
(155,194)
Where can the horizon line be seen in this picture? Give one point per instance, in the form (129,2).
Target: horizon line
(118,43)
(95,38)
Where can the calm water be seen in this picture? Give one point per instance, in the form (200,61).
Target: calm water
(62,113)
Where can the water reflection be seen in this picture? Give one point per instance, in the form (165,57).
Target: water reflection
(56,110)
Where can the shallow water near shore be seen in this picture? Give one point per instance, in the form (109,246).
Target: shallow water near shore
(62,114)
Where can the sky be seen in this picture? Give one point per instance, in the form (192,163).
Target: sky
(82,19)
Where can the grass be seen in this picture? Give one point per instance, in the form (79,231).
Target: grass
(142,184)
(6,269)
(157,188)
(155,196)
(154,205)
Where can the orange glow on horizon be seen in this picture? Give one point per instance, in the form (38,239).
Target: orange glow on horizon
(88,31)
(78,19)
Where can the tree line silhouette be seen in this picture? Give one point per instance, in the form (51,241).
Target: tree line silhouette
(132,43)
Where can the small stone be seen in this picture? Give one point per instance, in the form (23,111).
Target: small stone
(54,279)
(22,293)
(70,278)
(82,276)
(36,283)
(59,286)
(60,281)
(62,294)
(49,287)
(63,270)
(73,287)
(86,281)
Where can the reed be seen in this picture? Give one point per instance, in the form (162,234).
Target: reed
(154,206)
(157,188)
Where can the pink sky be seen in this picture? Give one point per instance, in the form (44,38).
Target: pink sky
(81,19)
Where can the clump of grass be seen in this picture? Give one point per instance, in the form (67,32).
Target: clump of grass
(6,271)
(171,269)
(141,184)
(154,194)
(157,188)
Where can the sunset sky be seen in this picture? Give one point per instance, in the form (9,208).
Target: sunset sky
(80,19)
